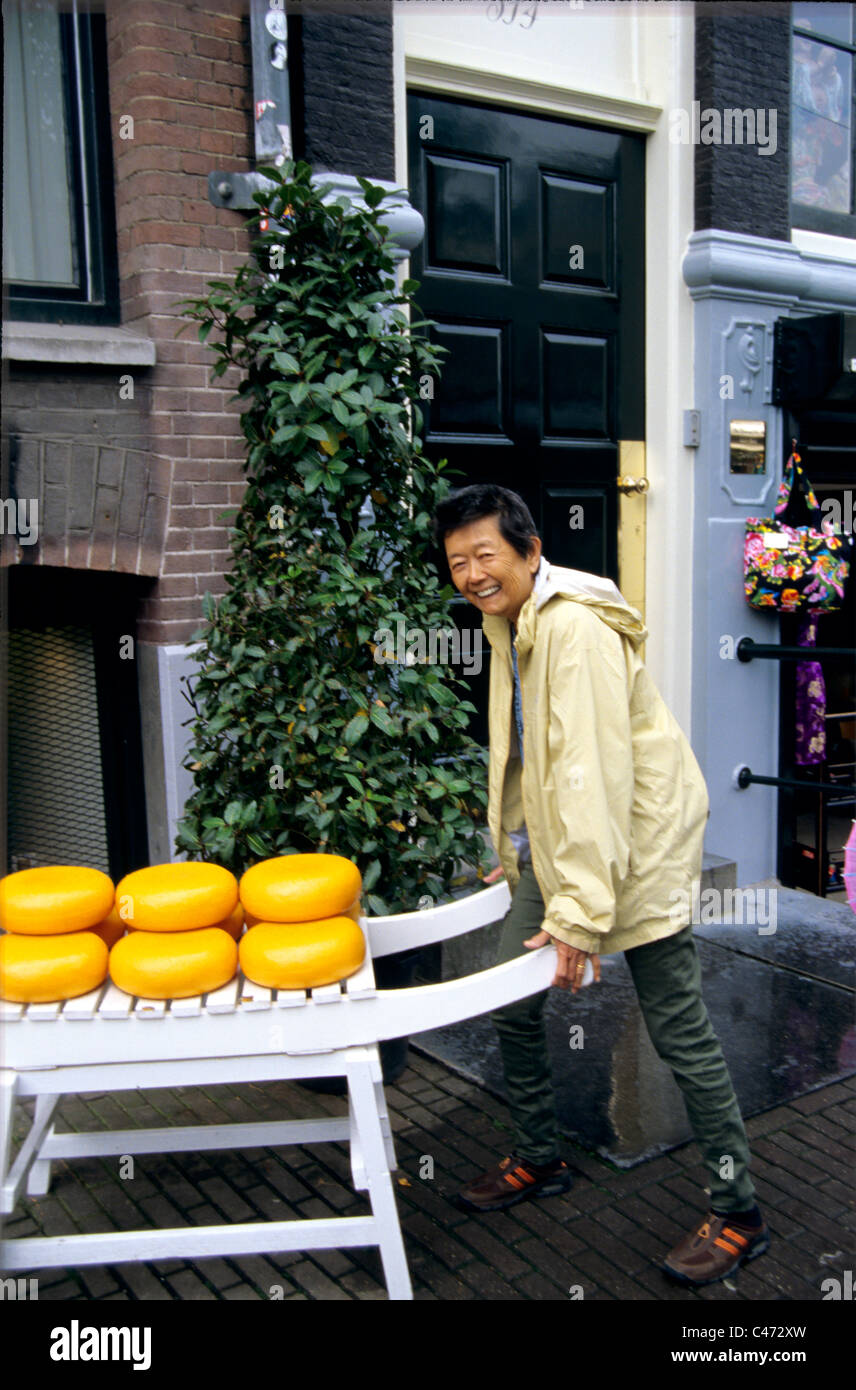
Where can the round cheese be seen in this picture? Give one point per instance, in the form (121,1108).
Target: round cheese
(176,897)
(157,965)
(53,900)
(301,955)
(300,887)
(45,969)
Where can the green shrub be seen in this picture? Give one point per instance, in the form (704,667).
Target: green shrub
(302,739)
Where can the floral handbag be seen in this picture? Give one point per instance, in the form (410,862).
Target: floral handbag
(793,563)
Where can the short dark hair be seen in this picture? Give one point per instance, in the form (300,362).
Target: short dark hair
(468,504)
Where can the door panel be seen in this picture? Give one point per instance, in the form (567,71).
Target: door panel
(532,266)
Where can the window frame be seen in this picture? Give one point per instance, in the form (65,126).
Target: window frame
(812,219)
(96,299)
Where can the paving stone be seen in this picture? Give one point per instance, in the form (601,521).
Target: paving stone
(309,1277)
(829,1138)
(98,1280)
(214,1270)
(499,1256)
(226,1199)
(187,1284)
(535,1219)
(442,1245)
(360,1285)
(838,1190)
(487,1283)
(769,1121)
(242,1293)
(535,1287)
(143,1283)
(552,1264)
(815,1100)
(50,1216)
(59,1293)
(605,1275)
(259,1271)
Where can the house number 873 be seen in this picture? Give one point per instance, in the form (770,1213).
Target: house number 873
(508,13)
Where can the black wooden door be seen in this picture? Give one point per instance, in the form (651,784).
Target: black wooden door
(533,266)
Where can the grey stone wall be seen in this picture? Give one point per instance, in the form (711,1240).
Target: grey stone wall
(83,453)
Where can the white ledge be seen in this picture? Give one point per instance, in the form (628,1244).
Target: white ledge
(76,343)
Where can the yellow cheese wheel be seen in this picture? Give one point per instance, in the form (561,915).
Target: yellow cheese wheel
(354,911)
(176,897)
(233,924)
(45,969)
(300,887)
(53,900)
(111,928)
(301,955)
(155,965)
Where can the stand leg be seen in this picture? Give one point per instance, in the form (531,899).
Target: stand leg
(7,1103)
(39,1176)
(362,1077)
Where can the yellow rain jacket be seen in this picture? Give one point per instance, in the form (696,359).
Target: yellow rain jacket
(610,792)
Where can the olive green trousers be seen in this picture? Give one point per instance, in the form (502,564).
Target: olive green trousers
(667,978)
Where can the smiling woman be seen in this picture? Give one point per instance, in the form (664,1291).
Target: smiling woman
(493,559)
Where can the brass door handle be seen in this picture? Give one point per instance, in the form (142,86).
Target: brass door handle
(629,484)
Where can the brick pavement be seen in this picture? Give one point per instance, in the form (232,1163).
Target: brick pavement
(604,1239)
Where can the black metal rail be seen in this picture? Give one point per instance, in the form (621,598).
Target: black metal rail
(746,777)
(747,650)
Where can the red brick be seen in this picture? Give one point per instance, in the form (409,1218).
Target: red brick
(208,47)
(234,73)
(212,494)
(193,518)
(215,142)
(209,539)
(193,66)
(198,424)
(167,135)
(149,60)
(196,211)
(157,84)
(193,471)
(159,37)
(166,233)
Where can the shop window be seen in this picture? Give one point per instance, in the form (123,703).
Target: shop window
(823,93)
(59,230)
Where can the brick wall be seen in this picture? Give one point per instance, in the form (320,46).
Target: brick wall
(349,125)
(743,61)
(182,71)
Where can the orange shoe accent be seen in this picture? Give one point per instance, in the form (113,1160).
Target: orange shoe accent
(726,1245)
(734,1235)
(509,1177)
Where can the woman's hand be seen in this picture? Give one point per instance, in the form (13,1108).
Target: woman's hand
(493,875)
(570,962)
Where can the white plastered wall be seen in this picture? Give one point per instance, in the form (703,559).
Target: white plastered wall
(627,66)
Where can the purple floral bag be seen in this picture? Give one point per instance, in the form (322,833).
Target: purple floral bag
(793,564)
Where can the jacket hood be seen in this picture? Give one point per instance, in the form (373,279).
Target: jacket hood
(597,593)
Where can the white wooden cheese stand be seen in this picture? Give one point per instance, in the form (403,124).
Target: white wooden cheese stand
(109,1041)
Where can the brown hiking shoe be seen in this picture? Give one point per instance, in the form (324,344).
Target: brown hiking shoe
(714,1249)
(513,1180)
